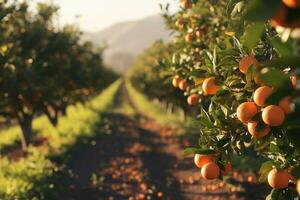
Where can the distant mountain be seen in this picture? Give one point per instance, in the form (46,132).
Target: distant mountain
(126,40)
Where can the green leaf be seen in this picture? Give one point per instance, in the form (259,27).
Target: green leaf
(205,118)
(223,142)
(264,171)
(261,10)
(194,150)
(296,172)
(252,34)
(250,74)
(285,61)
(284,49)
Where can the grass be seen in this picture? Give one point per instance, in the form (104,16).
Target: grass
(33,177)
(151,109)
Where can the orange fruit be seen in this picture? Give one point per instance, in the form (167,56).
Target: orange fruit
(273,115)
(189,37)
(292,3)
(279,19)
(258,81)
(258,134)
(246,62)
(246,111)
(227,170)
(185,4)
(285,105)
(176,81)
(210,171)
(294,80)
(193,99)
(278,179)
(209,86)
(183,85)
(298,187)
(179,23)
(201,160)
(250,179)
(199,34)
(261,94)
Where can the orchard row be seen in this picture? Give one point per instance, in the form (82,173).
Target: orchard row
(43,67)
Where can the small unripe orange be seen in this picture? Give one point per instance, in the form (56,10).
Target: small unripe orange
(285,105)
(246,111)
(210,171)
(246,62)
(278,179)
(176,81)
(183,85)
(189,38)
(193,99)
(209,86)
(261,94)
(252,130)
(273,115)
(201,160)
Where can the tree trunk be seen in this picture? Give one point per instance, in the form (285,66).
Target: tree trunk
(64,110)
(53,118)
(26,126)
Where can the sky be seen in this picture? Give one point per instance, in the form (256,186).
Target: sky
(95,15)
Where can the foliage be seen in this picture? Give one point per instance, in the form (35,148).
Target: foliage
(210,42)
(44,68)
(34,177)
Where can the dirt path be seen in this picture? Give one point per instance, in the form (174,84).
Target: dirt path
(137,159)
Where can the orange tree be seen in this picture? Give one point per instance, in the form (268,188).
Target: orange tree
(43,68)
(150,72)
(241,59)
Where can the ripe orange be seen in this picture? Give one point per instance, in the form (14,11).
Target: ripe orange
(258,81)
(246,111)
(298,187)
(278,179)
(258,134)
(227,170)
(189,37)
(179,23)
(199,34)
(279,19)
(292,3)
(294,80)
(273,115)
(246,62)
(209,86)
(183,85)
(176,81)
(201,160)
(193,99)
(285,105)
(261,94)
(210,171)
(185,4)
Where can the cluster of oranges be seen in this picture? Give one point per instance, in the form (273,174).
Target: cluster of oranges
(209,169)
(209,87)
(272,115)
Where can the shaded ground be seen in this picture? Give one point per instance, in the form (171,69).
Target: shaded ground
(138,159)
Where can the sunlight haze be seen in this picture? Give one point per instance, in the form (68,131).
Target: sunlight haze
(95,15)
